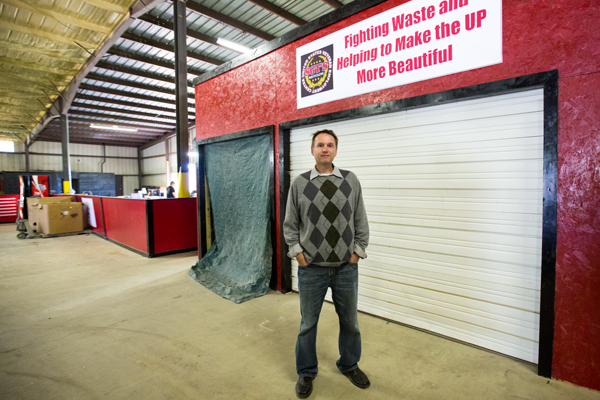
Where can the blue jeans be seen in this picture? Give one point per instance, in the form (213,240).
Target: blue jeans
(313,282)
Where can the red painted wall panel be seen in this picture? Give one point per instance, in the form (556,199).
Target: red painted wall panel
(537,36)
(175,224)
(577,324)
(125,221)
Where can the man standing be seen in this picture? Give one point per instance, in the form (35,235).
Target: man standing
(171,191)
(327,231)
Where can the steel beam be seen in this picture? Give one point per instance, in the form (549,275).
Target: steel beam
(179,15)
(165,46)
(129,103)
(148,60)
(66,159)
(137,72)
(192,5)
(133,84)
(280,12)
(161,124)
(125,93)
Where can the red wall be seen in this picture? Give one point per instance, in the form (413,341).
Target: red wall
(175,224)
(538,36)
(126,222)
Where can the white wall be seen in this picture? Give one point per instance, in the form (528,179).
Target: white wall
(12,162)
(84,158)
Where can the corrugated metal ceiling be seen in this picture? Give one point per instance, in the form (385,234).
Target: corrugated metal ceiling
(45,45)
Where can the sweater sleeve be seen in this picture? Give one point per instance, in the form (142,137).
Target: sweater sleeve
(291,223)
(361,225)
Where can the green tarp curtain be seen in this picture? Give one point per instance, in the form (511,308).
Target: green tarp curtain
(238,264)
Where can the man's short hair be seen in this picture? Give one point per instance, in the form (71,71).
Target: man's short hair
(327,131)
(171,183)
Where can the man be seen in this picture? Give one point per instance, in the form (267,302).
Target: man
(171,191)
(327,231)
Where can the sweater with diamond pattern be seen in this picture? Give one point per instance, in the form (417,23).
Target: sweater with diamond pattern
(325,218)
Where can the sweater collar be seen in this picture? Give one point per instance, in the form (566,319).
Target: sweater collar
(314,173)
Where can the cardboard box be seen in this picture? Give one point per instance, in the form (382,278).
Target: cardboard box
(34,208)
(61,218)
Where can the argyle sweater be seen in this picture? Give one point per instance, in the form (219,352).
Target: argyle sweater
(325,218)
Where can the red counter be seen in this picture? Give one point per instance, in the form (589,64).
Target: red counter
(148,227)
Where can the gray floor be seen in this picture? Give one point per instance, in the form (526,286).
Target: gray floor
(82,318)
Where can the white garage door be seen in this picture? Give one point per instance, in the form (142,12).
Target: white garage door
(454,200)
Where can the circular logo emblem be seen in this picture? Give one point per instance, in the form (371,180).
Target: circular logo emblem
(316,71)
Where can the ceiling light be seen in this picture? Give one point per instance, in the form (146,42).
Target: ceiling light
(113,128)
(233,46)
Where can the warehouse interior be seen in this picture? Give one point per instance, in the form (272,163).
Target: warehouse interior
(95,85)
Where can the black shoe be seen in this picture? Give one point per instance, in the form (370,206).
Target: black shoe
(304,387)
(358,378)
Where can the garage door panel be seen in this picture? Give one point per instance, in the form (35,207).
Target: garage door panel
(510,167)
(432,142)
(512,109)
(473,135)
(491,266)
(454,198)
(469,293)
(508,214)
(507,344)
(438,159)
(437,221)
(513,288)
(509,320)
(520,243)
(454,248)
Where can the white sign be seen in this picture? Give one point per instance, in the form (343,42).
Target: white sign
(91,215)
(419,40)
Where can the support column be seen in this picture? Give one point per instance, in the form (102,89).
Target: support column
(179,11)
(66,158)
(27,165)
(140,175)
(167,163)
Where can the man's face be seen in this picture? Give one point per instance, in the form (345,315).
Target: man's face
(324,150)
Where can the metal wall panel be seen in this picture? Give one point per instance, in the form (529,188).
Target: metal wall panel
(154,180)
(121,151)
(121,166)
(46,147)
(52,159)
(12,162)
(85,149)
(156,150)
(84,164)
(129,184)
(154,165)
(45,163)
(454,200)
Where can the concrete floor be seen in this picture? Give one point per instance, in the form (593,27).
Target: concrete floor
(82,318)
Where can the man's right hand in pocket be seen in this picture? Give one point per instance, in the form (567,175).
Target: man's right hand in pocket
(301,260)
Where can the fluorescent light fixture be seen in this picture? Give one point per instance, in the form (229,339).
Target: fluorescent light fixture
(113,128)
(233,46)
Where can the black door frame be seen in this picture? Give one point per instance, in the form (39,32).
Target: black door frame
(548,81)
(201,191)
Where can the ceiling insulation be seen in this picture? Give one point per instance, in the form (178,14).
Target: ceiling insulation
(111,62)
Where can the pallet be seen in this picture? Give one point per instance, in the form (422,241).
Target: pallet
(84,232)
